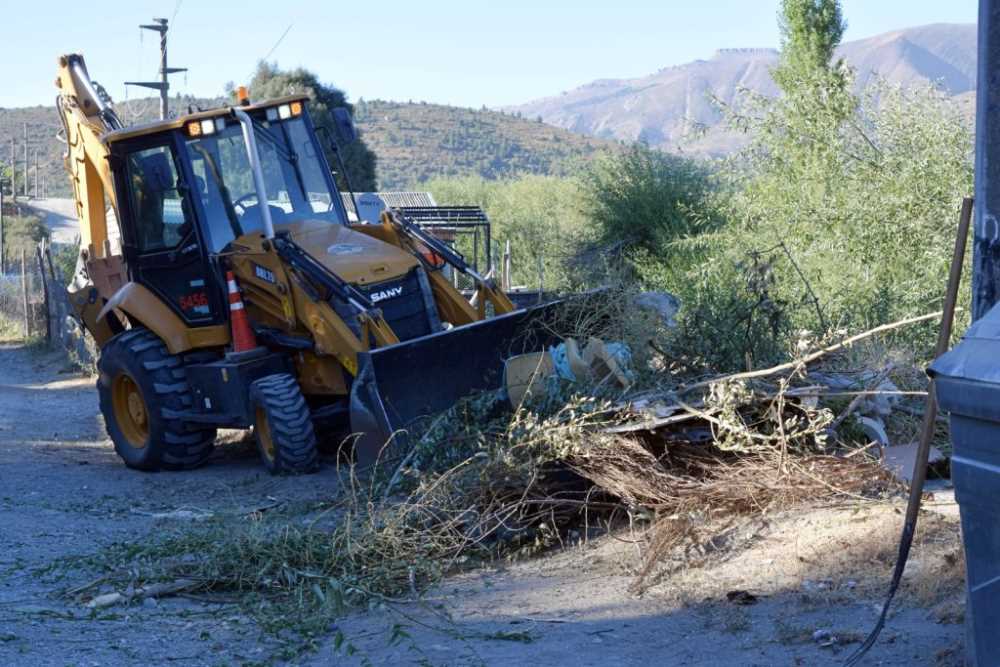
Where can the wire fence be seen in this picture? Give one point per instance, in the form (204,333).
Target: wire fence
(22,297)
(34,302)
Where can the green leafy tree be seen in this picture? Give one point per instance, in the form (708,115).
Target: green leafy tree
(6,181)
(841,212)
(801,127)
(359,160)
(811,30)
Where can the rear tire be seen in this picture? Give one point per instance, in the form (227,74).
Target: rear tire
(140,383)
(283,425)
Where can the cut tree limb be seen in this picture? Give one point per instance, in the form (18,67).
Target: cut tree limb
(151,591)
(809,358)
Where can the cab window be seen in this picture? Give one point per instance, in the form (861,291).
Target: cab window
(160,217)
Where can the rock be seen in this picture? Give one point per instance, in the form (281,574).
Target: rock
(824,637)
(814,586)
(663,304)
(741,597)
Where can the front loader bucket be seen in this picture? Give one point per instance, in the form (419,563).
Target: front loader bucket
(398,384)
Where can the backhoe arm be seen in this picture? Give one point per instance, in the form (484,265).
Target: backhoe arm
(86,117)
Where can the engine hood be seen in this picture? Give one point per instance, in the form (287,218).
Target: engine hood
(355,257)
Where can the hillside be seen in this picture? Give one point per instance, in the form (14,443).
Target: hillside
(43,125)
(415,142)
(673,109)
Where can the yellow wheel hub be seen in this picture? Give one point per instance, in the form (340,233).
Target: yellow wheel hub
(130,410)
(264,433)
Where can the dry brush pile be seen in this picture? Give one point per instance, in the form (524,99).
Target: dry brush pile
(677,464)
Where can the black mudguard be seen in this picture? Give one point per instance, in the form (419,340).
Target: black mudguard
(401,383)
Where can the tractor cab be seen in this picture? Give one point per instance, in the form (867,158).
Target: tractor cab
(188,188)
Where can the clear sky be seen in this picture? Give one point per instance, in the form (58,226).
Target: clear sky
(462,52)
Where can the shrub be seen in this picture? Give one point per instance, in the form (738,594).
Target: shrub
(645,199)
(22,233)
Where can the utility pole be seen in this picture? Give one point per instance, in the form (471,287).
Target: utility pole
(3,268)
(163,85)
(36,173)
(25,160)
(986,232)
(13,170)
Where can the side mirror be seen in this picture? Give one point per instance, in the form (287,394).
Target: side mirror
(345,125)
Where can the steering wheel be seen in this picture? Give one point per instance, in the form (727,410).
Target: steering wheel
(241,201)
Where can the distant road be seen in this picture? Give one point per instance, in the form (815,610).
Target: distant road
(59,215)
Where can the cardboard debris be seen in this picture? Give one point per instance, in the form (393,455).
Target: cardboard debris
(899,460)
(598,363)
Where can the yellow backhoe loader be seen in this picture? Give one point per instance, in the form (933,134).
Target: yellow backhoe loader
(238,295)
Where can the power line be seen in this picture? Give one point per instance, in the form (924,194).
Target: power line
(268,54)
(278,43)
(177,8)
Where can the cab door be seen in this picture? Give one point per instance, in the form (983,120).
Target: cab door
(161,236)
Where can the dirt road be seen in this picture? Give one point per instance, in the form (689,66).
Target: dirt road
(64,493)
(813,577)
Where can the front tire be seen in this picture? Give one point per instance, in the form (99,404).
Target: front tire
(283,425)
(139,386)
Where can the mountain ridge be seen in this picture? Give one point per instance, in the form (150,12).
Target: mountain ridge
(671,108)
(413,141)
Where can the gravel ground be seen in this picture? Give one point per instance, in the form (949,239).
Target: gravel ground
(815,576)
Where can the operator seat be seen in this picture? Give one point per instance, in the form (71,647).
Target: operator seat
(152,178)
(252,220)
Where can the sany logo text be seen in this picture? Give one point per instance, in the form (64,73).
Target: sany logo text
(386,294)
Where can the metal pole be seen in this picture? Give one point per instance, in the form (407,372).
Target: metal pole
(163,72)
(163,85)
(926,432)
(986,232)
(258,174)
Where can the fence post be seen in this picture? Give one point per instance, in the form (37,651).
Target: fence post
(506,266)
(541,278)
(3,264)
(48,257)
(24,294)
(45,290)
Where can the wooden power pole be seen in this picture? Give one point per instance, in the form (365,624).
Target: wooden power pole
(24,295)
(3,266)
(13,169)
(25,160)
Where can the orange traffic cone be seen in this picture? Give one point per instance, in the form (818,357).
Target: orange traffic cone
(243,338)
